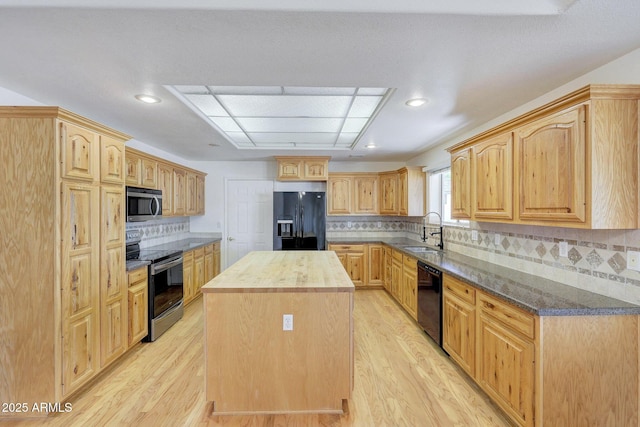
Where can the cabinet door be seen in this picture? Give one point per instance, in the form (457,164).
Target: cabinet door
(200,195)
(410,286)
(396,275)
(506,368)
(356,262)
(290,169)
(316,170)
(165,184)
(216,259)
(191,193)
(493,178)
(138,313)
(550,168)
(459,331)
(138,305)
(403,192)
(188,276)
(133,169)
(112,160)
(179,190)
(149,177)
(208,263)
(365,189)
(80,151)
(198,273)
(80,296)
(339,200)
(389,193)
(375,276)
(387,268)
(113,285)
(461,184)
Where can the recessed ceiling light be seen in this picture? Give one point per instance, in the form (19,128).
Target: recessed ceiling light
(214,145)
(148,99)
(370,145)
(416,102)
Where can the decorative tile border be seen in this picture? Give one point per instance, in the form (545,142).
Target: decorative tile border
(159,231)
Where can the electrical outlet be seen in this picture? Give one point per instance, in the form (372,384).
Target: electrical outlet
(564,249)
(496,239)
(287,322)
(379,224)
(474,235)
(633,260)
(348,224)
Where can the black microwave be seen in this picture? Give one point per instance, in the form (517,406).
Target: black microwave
(143,204)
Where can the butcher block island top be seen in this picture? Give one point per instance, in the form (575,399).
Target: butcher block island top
(279,334)
(283,271)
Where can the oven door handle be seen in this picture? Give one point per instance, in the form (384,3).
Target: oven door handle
(159,268)
(155,199)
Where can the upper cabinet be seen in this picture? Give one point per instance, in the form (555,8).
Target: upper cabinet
(398,192)
(80,152)
(182,188)
(571,163)
(303,168)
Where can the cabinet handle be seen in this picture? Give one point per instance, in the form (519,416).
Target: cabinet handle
(231,239)
(489,305)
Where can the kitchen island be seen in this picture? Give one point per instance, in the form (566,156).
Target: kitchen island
(254,365)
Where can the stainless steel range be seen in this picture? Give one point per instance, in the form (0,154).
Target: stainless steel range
(165,284)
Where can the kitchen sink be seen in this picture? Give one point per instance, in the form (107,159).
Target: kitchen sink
(419,249)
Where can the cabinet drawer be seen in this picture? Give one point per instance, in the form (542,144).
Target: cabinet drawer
(512,317)
(410,263)
(208,249)
(397,256)
(198,253)
(137,275)
(347,248)
(461,290)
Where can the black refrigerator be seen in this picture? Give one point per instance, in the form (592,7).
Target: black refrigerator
(299,220)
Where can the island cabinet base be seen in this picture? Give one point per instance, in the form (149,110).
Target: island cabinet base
(254,366)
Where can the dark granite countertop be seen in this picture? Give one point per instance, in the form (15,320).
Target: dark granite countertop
(535,294)
(184,245)
(134,264)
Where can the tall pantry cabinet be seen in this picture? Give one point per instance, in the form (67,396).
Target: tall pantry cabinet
(63,287)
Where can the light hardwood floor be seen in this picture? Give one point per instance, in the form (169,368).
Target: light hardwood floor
(401,379)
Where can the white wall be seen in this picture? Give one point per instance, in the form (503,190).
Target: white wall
(624,70)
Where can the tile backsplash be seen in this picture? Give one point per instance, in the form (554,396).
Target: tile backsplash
(159,231)
(596,259)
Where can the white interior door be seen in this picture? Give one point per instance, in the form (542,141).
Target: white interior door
(249,218)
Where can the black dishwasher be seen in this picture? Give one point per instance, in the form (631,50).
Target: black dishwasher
(430,301)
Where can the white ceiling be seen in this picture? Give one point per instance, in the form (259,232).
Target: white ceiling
(475,60)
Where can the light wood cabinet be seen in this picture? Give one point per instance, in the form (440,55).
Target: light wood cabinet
(113,285)
(165,184)
(506,361)
(552,154)
(461,184)
(396,275)
(411,193)
(365,194)
(182,188)
(410,286)
(200,195)
(57,251)
(388,259)
(191,193)
(80,295)
(389,193)
(459,323)
(339,188)
(354,261)
(302,168)
(179,192)
(209,263)
(188,276)
(575,164)
(198,271)
(492,192)
(375,265)
(112,160)
(216,259)
(138,305)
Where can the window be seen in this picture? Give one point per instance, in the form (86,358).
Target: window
(439,197)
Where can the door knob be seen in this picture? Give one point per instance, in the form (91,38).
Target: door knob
(231,239)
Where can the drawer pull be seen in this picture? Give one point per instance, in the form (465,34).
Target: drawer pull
(489,305)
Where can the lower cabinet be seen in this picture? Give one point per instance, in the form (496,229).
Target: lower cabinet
(138,306)
(410,285)
(199,266)
(459,323)
(375,265)
(396,274)
(354,261)
(387,260)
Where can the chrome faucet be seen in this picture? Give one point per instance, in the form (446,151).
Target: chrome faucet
(424,229)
